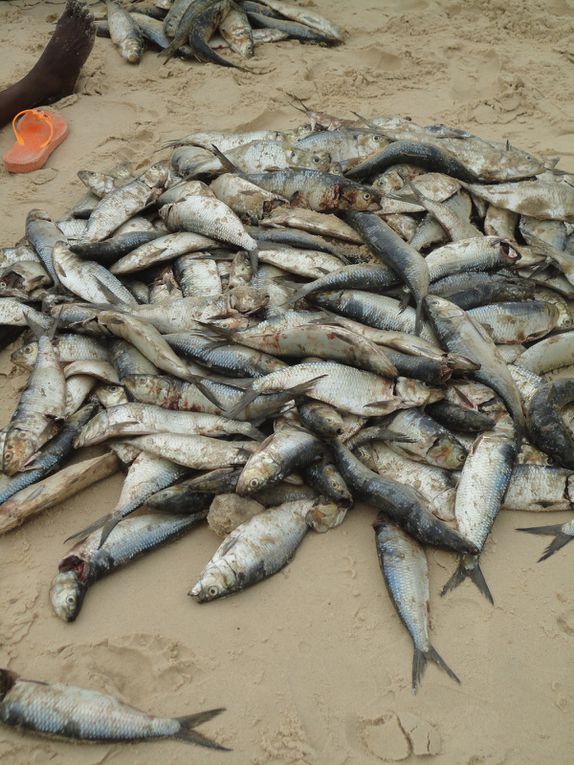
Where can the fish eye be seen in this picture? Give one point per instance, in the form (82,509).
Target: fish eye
(71,600)
(254,483)
(213,591)
(316,159)
(376,138)
(366,196)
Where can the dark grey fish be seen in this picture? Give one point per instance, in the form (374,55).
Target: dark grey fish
(403,259)
(425,155)
(402,504)
(546,426)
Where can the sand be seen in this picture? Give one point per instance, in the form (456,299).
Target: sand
(313,665)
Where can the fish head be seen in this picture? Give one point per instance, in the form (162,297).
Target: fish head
(316,160)
(93,431)
(371,142)
(25,356)
(259,470)
(362,198)
(509,255)
(442,309)
(67,594)
(215,582)
(246,299)
(7,680)
(18,448)
(447,453)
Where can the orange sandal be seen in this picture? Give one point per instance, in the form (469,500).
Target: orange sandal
(38,132)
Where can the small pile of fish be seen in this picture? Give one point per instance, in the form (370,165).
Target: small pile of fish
(198,29)
(274,325)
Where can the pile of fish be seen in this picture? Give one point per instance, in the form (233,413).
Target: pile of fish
(271,326)
(198,29)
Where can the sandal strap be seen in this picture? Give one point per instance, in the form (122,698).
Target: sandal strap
(38,113)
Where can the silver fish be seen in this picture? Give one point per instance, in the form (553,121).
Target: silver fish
(80,714)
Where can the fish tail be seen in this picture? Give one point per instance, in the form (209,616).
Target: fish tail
(88,530)
(419,318)
(419,666)
(433,655)
(225,161)
(109,526)
(39,329)
(188,733)
(246,399)
(469,567)
(560,538)
(297,295)
(199,383)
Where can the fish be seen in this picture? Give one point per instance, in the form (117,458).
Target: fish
(405,569)
(278,455)
(80,714)
(87,562)
(463,335)
(347,388)
(253,551)
(398,255)
(125,33)
(51,456)
(40,409)
(402,504)
(483,482)
(142,419)
(546,427)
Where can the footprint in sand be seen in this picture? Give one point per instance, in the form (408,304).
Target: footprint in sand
(377,58)
(128,665)
(393,739)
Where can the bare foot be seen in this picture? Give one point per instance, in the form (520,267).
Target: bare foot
(56,71)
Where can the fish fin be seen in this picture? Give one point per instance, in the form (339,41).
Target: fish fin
(290,393)
(297,100)
(88,530)
(420,659)
(188,733)
(256,434)
(199,383)
(254,261)
(465,400)
(297,295)
(468,567)
(225,161)
(225,334)
(392,435)
(37,328)
(367,122)
(109,526)
(404,301)
(302,388)
(246,399)
(419,318)
(111,296)
(560,538)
